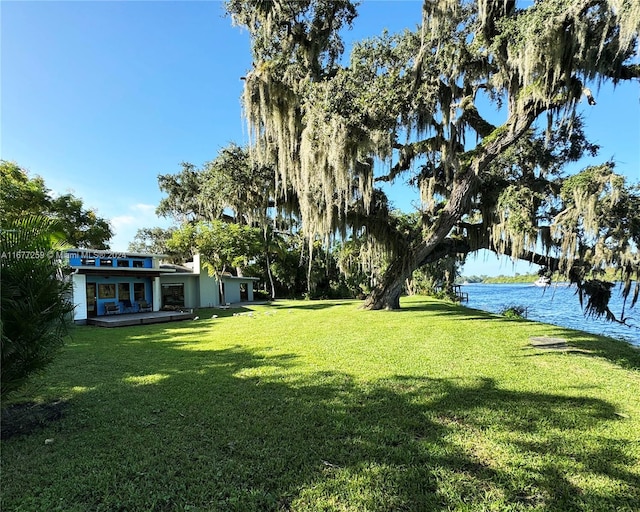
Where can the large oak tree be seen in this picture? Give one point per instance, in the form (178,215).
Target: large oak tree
(455,108)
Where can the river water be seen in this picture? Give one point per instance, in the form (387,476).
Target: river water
(556,304)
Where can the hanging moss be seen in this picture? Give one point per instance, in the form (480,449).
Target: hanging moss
(322,125)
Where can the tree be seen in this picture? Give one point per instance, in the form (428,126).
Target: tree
(234,188)
(21,195)
(232,182)
(156,241)
(18,193)
(287,265)
(35,306)
(230,187)
(414,100)
(221,245)
(183,195)
(437,278)
(82,228)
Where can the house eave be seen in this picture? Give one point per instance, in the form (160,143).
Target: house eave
(109,253)
(123,271)
(236,278)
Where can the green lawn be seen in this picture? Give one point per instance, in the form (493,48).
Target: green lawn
(322,406)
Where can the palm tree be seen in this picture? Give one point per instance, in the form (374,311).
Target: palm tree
(35,307)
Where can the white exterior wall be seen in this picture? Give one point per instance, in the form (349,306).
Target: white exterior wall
(208,285)
(157,290)
(209,290)
(231,290)
(79,284)
(202,290)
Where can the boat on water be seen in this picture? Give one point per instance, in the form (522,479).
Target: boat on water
(543,281)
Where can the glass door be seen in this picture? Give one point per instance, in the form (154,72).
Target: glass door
(91,299)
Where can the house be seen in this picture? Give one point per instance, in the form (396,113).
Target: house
(191,286)
(108,282)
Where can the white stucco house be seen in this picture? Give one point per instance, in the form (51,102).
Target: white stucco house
(109,282)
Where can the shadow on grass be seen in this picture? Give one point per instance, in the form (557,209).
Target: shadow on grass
(162,427)
(313,305)
(589,345)
(207,313)
(27,417)
(618,352)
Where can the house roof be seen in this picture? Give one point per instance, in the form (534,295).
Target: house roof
(121,271)
(179,269)
(109,253)
(237,278)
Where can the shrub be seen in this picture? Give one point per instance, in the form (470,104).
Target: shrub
(514,312)
(34,305)
(261,295)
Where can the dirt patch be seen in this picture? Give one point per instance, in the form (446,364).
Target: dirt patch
(25,418)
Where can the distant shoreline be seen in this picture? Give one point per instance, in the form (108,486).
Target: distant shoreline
(520,278)
(517,279)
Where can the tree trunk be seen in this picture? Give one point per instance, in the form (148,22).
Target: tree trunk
(266,238)
(408,286)
(221,288)
(387,294)
(270,275)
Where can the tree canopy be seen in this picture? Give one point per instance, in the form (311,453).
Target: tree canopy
(235,189)
(230,186)
(21,195)
(476,107)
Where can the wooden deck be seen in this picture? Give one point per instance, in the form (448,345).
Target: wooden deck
(126,319)
(462,296)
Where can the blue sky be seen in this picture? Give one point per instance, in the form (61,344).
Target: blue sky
(99,98)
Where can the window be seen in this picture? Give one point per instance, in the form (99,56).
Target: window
(123,263)
(138,264)
(89,262)
(123,291)
(173,294)
(138,291)
(106,291)
(106,262)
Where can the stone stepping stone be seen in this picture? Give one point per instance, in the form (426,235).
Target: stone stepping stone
(548,342)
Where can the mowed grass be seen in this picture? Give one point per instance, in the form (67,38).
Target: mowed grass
(322,406)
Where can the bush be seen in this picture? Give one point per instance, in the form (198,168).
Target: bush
(261,295)
(514,312)
(446,295)
(34,306)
